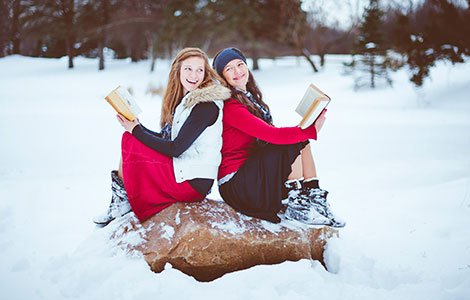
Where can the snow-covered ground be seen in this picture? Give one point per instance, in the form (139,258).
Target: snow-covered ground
(395,160)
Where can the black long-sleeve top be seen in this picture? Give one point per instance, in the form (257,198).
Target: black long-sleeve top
(202,116)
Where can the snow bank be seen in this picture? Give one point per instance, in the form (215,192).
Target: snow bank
(396,162)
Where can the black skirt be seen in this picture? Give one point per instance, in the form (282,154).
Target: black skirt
(258,186)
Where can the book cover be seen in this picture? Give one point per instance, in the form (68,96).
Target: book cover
(123,102)
(311,106)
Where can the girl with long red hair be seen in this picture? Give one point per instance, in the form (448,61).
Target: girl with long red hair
(180,163)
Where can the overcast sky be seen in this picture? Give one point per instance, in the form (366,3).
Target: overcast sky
(344,11)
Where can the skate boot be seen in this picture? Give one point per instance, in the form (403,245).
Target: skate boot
(317,197)
(292,188)
(119,205)
(301,209)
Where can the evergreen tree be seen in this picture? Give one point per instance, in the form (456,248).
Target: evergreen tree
(118,24)
(4,27)
(254,25)
(16,8)
(56,21)
(437,30)
(411,43)
(370,47)
(250,22)
(183,25)
(93,18)
(11,26)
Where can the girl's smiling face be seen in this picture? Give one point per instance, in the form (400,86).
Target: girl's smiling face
(192,73)
(236,73)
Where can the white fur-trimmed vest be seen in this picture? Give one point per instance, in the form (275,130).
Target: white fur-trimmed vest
(202,158)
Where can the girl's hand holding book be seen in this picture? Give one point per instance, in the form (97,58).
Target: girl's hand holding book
(128,125)
(320,121)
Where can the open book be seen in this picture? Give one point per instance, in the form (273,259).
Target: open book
(124,103)
(311,106)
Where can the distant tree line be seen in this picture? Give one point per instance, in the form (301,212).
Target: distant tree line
(435,30)
(422,34)
(142,29)
(148,29)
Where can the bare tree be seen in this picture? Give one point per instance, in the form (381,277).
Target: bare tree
(325,29)
(4,27)
(295,29)
(15,25)
(54,17)
(104,8)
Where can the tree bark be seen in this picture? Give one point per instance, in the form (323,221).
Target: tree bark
(152,65)
(255,63)
(37,49)
(68,16)
(306,54)
(152,52)
(302,49)
(101,54)
(254,56)
(69,51)
(15,35)
(102,38)
(134,57)
(135,47)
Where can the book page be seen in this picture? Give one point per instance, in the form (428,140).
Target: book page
(310,95)
(123,103)
(312,104)
(317,109)
(133,107)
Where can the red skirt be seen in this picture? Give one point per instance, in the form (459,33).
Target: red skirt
(149,179)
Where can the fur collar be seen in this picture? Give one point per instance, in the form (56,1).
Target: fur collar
(207,94)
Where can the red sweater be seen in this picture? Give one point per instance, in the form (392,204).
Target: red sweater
(240,130)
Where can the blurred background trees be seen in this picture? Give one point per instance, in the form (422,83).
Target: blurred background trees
(370,48)
(434,30)
(415,34)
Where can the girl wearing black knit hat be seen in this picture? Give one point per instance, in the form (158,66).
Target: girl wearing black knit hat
(266,172)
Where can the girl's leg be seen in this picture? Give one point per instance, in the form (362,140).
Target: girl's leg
(308,165)
(119,205)
(296,169)
(120,168)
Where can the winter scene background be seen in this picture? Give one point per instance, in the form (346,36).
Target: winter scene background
(396,161)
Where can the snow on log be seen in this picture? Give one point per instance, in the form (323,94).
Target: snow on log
(209,239)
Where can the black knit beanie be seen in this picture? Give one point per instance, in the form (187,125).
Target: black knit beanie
(226,56)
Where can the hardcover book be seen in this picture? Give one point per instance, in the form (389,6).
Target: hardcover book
(311,106)
(123,102)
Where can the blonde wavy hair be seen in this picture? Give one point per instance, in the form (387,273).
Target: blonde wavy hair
(174,92)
